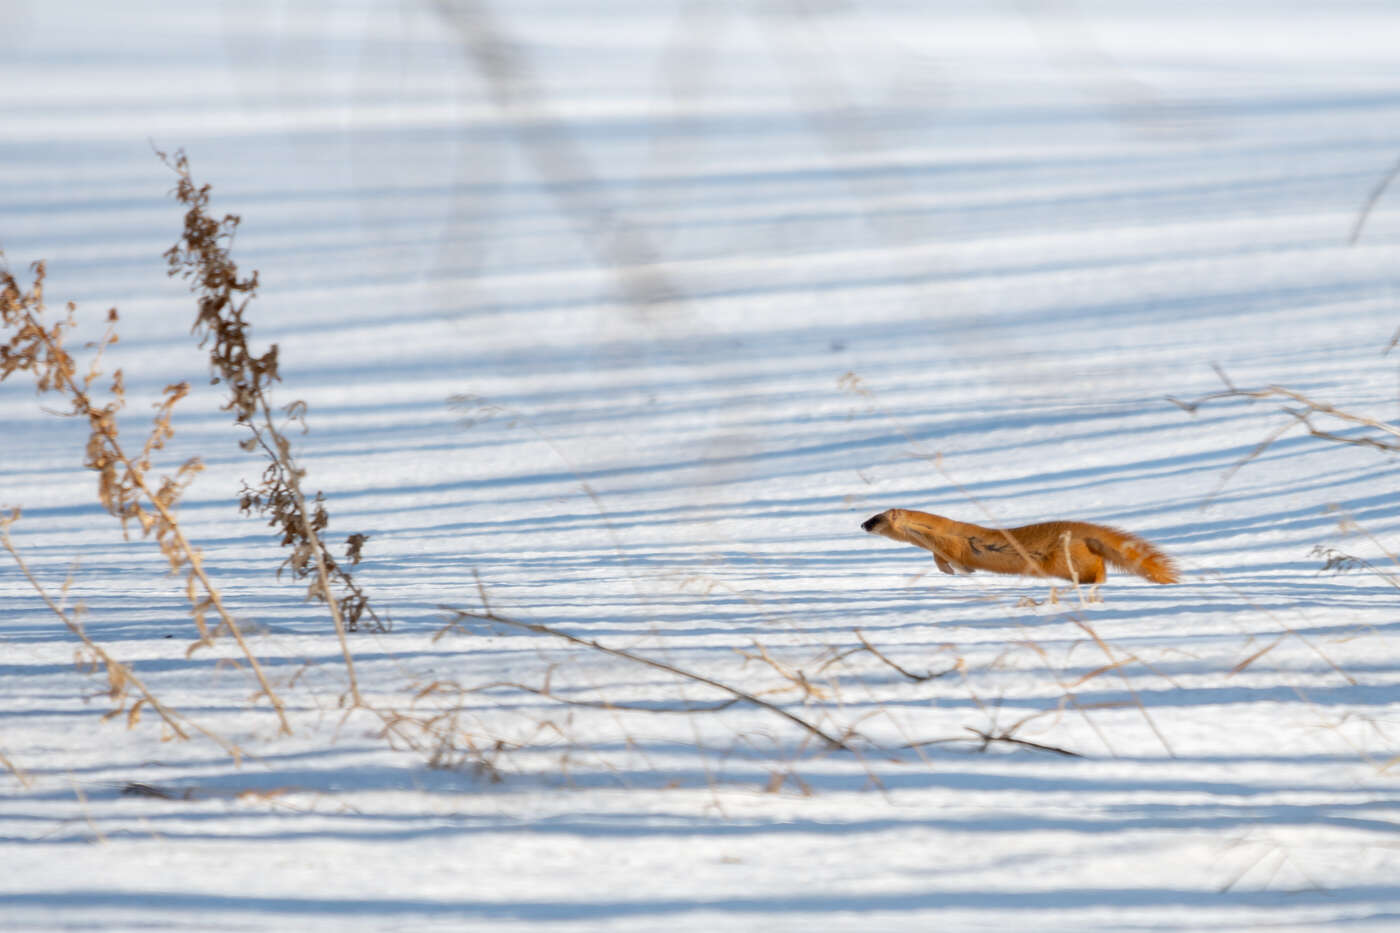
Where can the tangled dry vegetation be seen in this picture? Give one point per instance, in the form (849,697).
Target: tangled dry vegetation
(129,486)
(443,719)
(133,490)
(203,258)
(126,486)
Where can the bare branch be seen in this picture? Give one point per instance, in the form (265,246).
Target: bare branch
(1001,736)
(548,692)
(1303,417)
(735,692)
(917,678)
(988,738)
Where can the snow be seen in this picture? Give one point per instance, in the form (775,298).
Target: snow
(631,339)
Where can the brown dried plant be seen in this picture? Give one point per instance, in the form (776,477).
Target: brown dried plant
(125,486)
(1376,434)
(127,692)
(1305,412)
(735,694)
(202,257)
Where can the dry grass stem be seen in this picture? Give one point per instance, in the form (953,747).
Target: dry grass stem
(830,741)
(121,680)
(203,257)
(125,487)
(1371,201)
(438,688)
(917,678)
(997,734)
(1005,736)
(1303,413)
(16,770)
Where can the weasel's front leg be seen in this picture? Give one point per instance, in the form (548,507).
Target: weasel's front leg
(948,566)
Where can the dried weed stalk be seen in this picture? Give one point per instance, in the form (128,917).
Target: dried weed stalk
(20,774)
(957,666)
(125,486)
(1304,412)
(997,734)
(490,616)
(202,257)
(1369,204)
(123,686)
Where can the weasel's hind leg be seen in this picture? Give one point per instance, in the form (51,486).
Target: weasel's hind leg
(1091,570)
(1074,560)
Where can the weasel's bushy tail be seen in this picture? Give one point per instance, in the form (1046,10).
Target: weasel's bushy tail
(1131,553)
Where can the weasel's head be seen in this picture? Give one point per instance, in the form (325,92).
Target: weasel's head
(882,524)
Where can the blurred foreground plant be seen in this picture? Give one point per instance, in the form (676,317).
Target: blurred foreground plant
(202,257)
(125,486)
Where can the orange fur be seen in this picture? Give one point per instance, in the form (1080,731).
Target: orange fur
(1073,550)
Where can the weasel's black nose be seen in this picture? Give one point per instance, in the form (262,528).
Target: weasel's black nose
(869,523)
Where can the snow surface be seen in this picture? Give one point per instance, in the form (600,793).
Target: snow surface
(712,283)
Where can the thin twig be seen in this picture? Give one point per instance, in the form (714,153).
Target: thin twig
(1312,406)
(119,673)
(735,692)
(917,678)
(1371,200)
(1303,417)
(16,770)
(547,692)
(1115,664)
(988,737)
